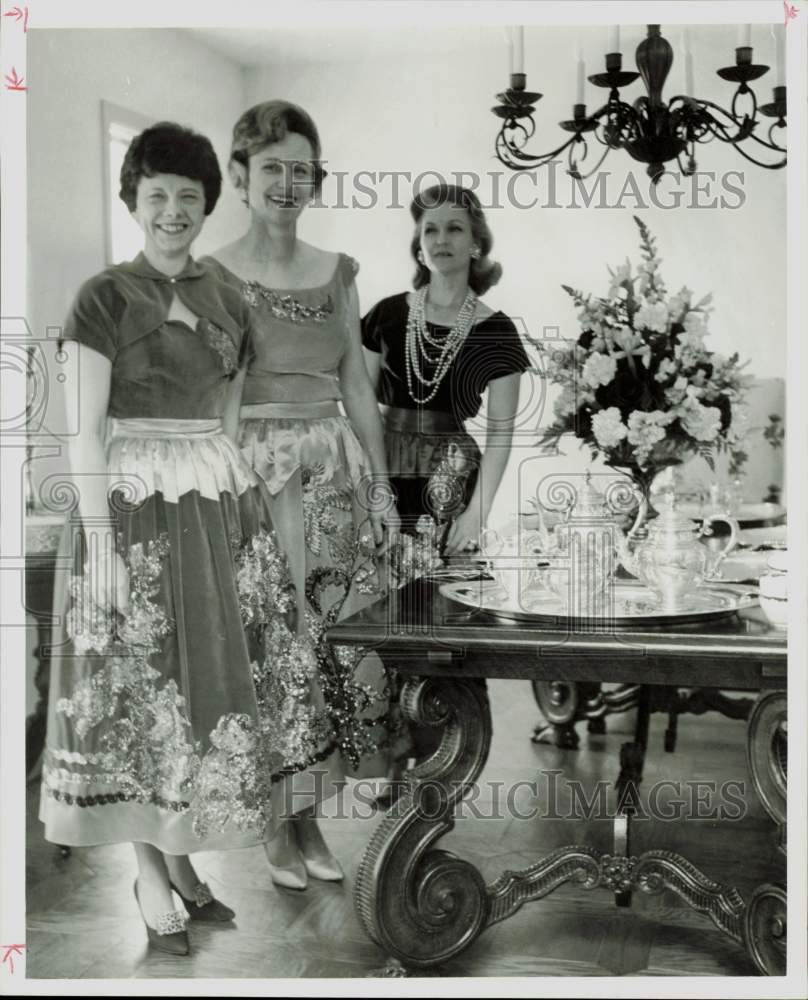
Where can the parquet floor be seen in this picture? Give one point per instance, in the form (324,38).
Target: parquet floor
(83,922)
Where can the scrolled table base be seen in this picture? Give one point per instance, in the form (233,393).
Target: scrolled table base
(767,754)
(651,873)
(765,929)
(423,906)
(419,904)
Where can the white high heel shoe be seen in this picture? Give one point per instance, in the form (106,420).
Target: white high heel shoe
(290,876)
(324,866)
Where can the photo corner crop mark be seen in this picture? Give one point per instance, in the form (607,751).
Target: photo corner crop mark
(14,81)
(20,15)
(9,951)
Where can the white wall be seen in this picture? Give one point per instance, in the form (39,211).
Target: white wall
(432,112)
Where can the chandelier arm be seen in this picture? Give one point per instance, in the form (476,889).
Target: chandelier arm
(751,93)
(719,130)
(722,111)
(759,163)
(772,127)
(768,145)
(583,177)
(518,160)
(726,137)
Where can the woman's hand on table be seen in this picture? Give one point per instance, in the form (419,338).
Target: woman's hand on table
(464,532)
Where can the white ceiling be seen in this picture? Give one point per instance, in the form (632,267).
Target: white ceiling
(256,46)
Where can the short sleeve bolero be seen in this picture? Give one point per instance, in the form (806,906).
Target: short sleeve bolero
(123,314)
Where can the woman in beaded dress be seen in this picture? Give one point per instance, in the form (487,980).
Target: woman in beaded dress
(431,354)
(163,727)
(325,472)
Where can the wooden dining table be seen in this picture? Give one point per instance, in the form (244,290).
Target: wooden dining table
(423,905)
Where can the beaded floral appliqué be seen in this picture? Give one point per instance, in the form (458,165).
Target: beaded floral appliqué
(221,343)
(144,746)
(286,306)
(264,585)
(146,743)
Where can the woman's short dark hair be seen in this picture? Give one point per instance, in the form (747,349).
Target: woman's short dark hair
(270,122)
(483,273)
(168,148)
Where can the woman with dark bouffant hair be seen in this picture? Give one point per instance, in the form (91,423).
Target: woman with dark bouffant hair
(163,724)
(431,354)
(325,471)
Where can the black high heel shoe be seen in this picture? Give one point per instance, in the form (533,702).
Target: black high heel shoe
(204,906)
(170,935)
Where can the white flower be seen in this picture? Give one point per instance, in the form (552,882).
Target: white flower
(701,422)
(608,427)
(652,316)
(666,368)
(676,393)
(694,332)
(645,429)
(679,303)
(619,276)
(632,344)
(686,355)
(694,322)
(599,369)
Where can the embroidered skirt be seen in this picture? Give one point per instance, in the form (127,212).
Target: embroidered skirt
(314,467)
(433,463)
(186,723)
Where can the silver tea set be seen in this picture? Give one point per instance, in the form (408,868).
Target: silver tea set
(578,559)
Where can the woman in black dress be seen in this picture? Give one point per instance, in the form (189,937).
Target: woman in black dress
(432,353)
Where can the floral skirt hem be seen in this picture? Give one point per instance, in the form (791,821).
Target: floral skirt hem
(202,694)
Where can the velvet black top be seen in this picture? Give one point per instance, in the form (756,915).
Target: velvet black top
(491,350)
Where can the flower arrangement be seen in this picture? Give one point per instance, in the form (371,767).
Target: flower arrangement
(639,386)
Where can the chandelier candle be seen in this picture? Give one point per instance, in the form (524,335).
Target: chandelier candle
(520,50)
(689,86)
(579,99)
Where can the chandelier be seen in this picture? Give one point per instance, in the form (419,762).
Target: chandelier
(649,130)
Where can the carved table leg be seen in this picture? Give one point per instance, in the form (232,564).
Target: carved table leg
(651,873)
(423,906)
(559,702)
(765,929)
(564,703)
(632,755)
(420,904)
(767,754)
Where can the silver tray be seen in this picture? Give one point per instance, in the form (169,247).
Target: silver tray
(629,603)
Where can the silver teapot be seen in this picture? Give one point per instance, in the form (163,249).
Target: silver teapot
(671,561)
(581,548)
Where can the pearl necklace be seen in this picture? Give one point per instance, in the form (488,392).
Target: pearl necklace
(419,341)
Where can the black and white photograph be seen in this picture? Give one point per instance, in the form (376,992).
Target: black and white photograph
(404,498)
